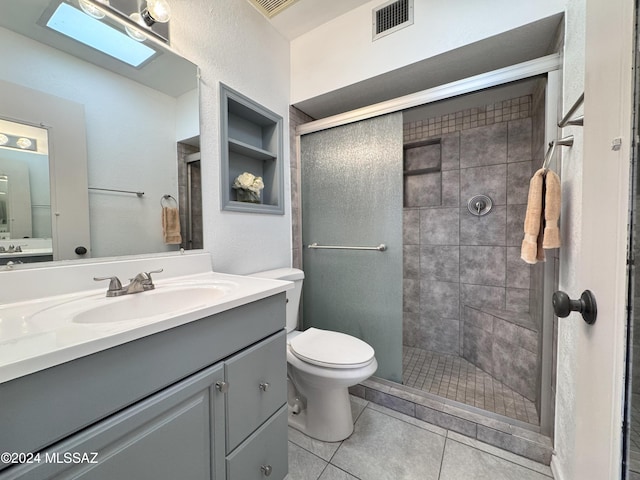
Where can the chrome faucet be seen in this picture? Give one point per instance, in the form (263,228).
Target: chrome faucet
(140,283)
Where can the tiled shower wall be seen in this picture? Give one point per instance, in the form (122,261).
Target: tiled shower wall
(452,258)
(296,117)
(184,150)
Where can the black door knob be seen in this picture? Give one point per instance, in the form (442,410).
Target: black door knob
(586,305)
(80,250)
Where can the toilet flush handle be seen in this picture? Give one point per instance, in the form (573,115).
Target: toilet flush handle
(263,386)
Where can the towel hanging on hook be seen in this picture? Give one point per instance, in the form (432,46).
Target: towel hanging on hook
(170,220)
(541,230)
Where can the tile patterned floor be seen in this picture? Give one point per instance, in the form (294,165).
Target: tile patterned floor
(455,378)
(387,445)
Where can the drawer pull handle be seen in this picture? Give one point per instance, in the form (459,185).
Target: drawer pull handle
(264,386)
(266,470)
(222,387)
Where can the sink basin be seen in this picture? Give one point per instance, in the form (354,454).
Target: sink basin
(150,304)
(163,302)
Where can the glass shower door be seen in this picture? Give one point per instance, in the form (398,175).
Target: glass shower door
(352,196)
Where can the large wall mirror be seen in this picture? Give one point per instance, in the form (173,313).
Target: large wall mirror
(118,141)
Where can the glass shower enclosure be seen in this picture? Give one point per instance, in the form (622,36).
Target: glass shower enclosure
(352,186)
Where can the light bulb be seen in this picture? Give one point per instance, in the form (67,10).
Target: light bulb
(156,11)
(133,32)
(91,10)
(23,142)
(3,139)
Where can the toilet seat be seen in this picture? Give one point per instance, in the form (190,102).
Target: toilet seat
(331,349)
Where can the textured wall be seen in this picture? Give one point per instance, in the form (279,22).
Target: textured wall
(348,55)
(234,44)
(563,463)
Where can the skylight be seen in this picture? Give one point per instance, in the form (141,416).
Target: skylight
(92,32)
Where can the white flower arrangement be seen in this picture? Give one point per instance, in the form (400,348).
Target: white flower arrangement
(248,187)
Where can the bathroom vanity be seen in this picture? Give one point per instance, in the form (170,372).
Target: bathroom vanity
(198,395)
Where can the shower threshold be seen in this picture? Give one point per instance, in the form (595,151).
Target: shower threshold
(510,434)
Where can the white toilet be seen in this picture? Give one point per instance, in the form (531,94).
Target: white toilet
(321,366)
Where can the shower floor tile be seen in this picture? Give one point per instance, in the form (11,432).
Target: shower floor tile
(455,378)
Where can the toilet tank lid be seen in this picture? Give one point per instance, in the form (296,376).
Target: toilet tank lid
(290,274)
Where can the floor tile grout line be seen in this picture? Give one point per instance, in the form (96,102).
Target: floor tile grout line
(411,423)
(498,456)
(313,453)
(345,471)
(444,447)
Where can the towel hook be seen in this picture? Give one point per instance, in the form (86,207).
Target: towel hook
(165,200)
(563,142)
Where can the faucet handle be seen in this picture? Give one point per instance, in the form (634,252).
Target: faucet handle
(146,280)
(148,274)
(114,283)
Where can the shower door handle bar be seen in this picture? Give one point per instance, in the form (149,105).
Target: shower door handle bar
(380,248)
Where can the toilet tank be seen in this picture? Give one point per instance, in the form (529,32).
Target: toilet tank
(293,296)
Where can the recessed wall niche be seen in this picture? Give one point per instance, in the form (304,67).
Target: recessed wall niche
(422,173)
(251,140)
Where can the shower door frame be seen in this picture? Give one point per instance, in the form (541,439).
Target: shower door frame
(549,65)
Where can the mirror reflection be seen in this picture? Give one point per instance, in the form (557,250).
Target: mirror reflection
(113,130)
(25,200)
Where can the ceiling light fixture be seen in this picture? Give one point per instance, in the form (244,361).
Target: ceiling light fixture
(156,11)
(91,9)
(21,143)
(24,143)
(137,34)
(98,35)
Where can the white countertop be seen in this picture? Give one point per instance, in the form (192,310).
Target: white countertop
(36,334)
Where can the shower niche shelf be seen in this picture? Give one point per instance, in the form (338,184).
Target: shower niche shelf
(251,139)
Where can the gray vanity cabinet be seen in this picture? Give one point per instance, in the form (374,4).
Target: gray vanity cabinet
(260,456)
(223,418)
(257,388)
(177,433)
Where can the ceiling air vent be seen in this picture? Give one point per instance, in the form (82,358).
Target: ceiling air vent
(391,17)
(270,8)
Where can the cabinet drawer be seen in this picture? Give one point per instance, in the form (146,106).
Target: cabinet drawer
(264,454)
(257,380)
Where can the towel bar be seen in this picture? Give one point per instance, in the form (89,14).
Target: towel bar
(567,120)
(139,194)
(380,248)
(563,142)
